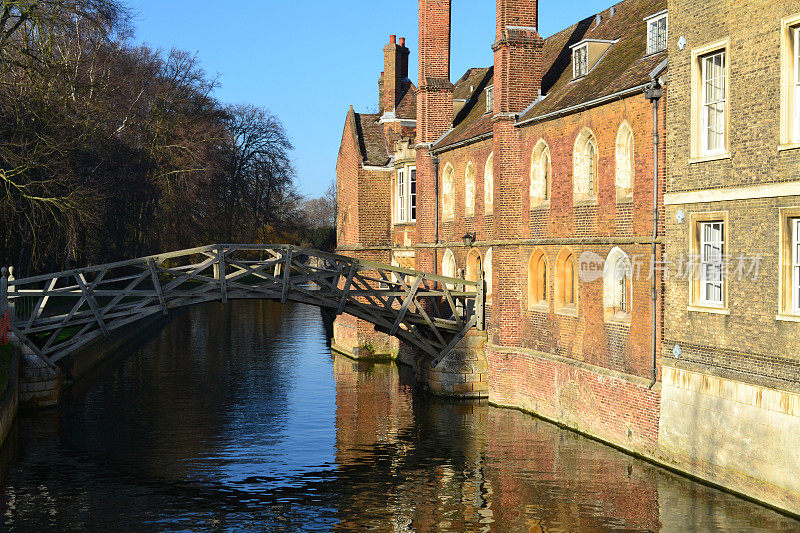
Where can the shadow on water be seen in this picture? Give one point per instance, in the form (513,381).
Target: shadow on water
(238,418)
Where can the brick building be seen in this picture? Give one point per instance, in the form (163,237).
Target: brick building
(731,408)
(552,163)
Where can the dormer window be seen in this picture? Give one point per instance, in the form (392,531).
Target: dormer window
(580,61)
(490,99)
(586,54)
(656,32)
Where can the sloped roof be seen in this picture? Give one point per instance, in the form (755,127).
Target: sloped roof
(625,65)
(407,107)
(371,141)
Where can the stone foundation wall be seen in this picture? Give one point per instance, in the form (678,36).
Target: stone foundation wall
(738,435)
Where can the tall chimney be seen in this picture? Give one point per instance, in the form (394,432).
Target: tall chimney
(395,74)
(517,56)
(435,96)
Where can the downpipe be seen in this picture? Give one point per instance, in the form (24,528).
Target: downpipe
(654,92)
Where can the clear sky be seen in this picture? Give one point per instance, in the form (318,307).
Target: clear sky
(309,60)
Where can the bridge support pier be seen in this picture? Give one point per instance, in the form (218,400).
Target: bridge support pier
(39,384)
(462,374)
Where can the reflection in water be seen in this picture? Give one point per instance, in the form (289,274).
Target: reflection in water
(238,418)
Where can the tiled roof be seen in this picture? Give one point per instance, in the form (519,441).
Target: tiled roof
(407,108)
(624,66)
(371,141)
(473,120)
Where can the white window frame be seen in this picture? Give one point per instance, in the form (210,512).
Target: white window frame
(652,25)
(405,195)
(796,84)
(707,103)
(490,99)
(795,265)
(580,61)
(712,257)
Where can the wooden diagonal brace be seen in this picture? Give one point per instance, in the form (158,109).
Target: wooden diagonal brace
(346,288)
(151,265)
(287,275)
(439,361)
(92,302)
(407,302)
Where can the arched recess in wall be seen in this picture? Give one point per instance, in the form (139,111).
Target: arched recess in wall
(538,280)
(469,189)
(566,282)
(474,265)
(449,266)
(541,169)
(625,161)
(488,184)
(584,173)
(487,273)
(448,192)
(617,285)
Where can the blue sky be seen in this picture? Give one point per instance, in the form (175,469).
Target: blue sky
(309,60)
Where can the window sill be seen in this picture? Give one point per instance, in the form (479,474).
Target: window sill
(489,213)
(585,202)
(707,309)
(542,206)
(788,146)
(540,308)
(788,318)
(619,320)
(568,311)
(713,157)
(625,200)
(410,223)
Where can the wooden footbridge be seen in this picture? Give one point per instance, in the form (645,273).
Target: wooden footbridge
(56,314)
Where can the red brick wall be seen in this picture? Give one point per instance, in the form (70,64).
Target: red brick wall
(347,183)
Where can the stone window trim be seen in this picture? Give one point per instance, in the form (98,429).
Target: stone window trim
(404,197)
(696,222)
(488,185)
(538,278)
(448,193)
(487,275)
(585,168)
(790,83)
(541,175)
(789,264)
(657,32)
(490,99)
(449,267)
(703,101)
(626,165)
(617,287)
(469,190)
(566,287)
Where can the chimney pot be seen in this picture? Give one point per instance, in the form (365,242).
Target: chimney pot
(402,41)
(393,39)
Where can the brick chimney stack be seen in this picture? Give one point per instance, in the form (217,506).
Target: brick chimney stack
(435,96)
(517,56)
(394,78)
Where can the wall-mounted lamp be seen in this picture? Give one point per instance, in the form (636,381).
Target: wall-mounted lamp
(468,239)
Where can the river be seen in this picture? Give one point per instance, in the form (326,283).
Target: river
(239,418)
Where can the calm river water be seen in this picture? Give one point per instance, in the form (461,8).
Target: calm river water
(238,418)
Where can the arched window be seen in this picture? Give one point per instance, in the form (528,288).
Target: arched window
(488,184)
(540,173)
(585,166)
(448,192)
(617,285)
(537,280)
(449,266)
(474,265)
(625,166)
(566,282)
(469,189)
(487,273)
